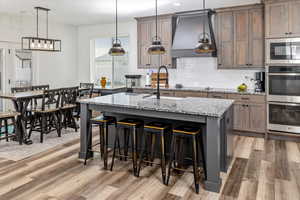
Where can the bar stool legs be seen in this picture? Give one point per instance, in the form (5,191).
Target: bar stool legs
(152,130)
(197,145)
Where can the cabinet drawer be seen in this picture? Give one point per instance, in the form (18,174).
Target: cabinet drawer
(167,93)
(142,90)
(217,95)
(247,98)
(190,94)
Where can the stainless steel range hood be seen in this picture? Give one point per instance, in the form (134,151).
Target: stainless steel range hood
(187,27)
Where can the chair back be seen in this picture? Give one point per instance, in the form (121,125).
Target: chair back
(20,89)
(89,91)
(69,95)
(40,87)
(51,98)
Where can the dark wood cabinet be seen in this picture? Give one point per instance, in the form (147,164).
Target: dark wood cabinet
(225,39)
(146,32)
(282,18)
(240,37)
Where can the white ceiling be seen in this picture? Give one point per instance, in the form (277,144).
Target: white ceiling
(81,12)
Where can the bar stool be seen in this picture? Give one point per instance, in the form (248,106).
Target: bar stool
(151,130)
(130,127)
(103,122)
(188,132)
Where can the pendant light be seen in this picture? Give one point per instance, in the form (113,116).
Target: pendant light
(117,49)
(204,45)
(156,47)
(41,44)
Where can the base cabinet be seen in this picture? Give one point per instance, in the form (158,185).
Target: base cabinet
(250,117)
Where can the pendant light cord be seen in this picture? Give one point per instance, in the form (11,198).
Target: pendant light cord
(37,22)
(156,37)
(204,36)
(47,23)
(116,20)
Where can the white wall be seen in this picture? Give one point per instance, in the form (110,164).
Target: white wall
(191,72)
(56,69)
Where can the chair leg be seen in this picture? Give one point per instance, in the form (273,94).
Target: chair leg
(89,144)
(163,157)
(172,157)
(6,129)
(105,142)
(202,154)
(43,127)
(115,146)
(195,164)
(143,150)
(126,143)
(55,117)
(134,150)
(153,147)
(101,136)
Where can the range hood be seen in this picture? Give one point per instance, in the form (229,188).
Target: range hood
(187,27)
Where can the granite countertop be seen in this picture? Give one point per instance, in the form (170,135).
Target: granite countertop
(208,89)
(190,105)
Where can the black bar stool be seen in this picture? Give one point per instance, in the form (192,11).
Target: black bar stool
(103,122)
(151,130)
(188,132)
(130,127)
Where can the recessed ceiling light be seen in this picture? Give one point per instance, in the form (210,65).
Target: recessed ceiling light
(177,4)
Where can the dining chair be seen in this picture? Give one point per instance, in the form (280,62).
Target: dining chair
(86,93)
(68,106)
(47,115)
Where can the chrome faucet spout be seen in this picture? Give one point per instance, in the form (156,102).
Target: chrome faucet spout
(158,80)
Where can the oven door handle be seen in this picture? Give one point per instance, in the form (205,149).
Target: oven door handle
(283,104)
(284,74)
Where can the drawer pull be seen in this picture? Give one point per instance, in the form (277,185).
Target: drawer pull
(217,97)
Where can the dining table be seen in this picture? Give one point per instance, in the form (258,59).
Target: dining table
(21,101)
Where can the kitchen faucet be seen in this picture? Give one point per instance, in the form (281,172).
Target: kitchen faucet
(158,80)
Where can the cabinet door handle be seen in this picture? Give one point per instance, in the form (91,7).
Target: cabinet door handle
(217,96)
(244,98)
(290,33)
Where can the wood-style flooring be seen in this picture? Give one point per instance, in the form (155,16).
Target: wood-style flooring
(260,170)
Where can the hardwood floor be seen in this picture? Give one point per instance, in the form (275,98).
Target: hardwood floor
(260,170)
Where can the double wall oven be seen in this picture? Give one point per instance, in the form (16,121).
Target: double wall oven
(283,84)
(283,95)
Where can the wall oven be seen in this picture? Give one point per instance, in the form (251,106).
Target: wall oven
(283,51)
(284,117)
(283,83)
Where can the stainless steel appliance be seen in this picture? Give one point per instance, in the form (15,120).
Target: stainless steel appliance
(283,83)
(284,117)
(260,81)
(133,80)
(283,51)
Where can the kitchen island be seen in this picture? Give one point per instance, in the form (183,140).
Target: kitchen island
(215,116)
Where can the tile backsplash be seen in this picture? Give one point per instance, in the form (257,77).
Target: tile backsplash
(203,72)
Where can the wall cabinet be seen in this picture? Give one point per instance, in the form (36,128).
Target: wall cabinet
(240,37)
(146,31)
(282,19)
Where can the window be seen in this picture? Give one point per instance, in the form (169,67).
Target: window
(104,65)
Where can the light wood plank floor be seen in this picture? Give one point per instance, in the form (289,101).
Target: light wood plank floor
(260,170)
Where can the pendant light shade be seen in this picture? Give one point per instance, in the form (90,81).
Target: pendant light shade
(156,47)
(204,44)
(116,49)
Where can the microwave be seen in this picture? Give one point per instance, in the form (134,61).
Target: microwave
(283,51)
